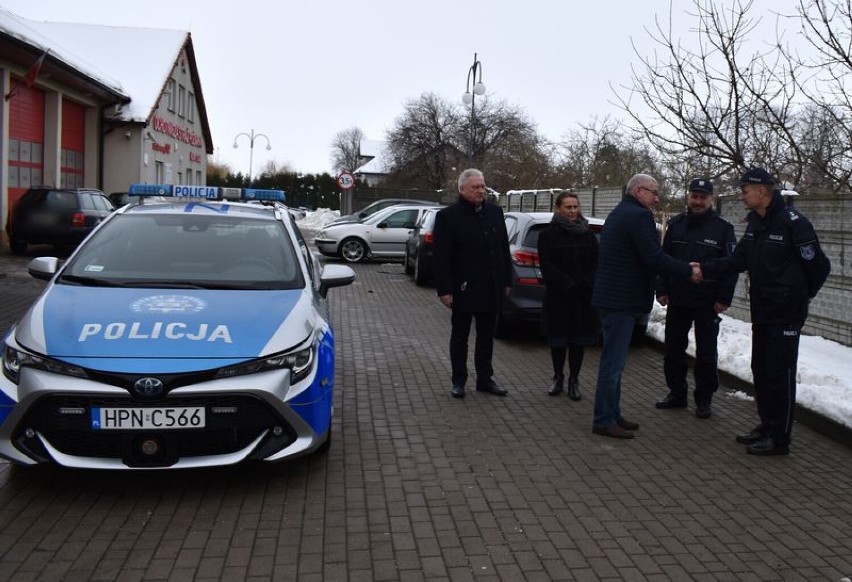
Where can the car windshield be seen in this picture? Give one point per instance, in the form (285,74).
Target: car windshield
(193,251)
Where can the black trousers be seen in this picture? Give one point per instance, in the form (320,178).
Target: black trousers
(774,362)
(706,323)
(483,349)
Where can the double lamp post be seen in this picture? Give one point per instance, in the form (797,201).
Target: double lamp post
(474,87)
(252,136)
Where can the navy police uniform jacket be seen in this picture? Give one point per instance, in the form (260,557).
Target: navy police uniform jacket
(698,237)
(471,258)
(630,258)
(785,263)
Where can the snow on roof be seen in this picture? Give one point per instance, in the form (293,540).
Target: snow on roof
(133,61)
(374,166)
(371,148)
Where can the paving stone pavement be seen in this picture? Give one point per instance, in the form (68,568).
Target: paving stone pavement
(420,486)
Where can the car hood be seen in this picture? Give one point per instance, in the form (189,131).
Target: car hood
(101,328)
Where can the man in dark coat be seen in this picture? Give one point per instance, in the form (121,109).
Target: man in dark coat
(629,259)
(786,268)
(473,274)
(698,234)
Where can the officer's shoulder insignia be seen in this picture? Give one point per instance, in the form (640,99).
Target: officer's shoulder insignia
(793,214)
(808,251)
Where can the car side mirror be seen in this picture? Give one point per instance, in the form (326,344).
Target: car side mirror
(335,276)
(43,268)
(382,225)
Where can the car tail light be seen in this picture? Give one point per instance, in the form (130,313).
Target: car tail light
(525,259)
(427,237)
(78,219)
(527,281)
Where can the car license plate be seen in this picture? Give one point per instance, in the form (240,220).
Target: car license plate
(161,417)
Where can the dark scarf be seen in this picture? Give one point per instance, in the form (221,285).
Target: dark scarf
(578,226)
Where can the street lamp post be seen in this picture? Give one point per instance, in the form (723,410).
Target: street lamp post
(252,136)
(473,88)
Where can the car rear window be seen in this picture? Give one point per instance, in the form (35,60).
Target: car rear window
(531,238)
(58,200)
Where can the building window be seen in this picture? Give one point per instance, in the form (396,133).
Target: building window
(198,176)
(189,177)
(171,95)
(190,107)
(159,173)
(181,101)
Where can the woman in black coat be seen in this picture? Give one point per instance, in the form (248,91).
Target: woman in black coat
(568,254)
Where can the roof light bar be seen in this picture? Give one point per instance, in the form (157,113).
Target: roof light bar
(206,192)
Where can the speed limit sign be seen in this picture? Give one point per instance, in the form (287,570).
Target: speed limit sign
(346,181)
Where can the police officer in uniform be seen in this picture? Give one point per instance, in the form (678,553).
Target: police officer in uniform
(696,235)
(786,268)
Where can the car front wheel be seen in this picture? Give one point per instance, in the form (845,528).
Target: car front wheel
(353,250)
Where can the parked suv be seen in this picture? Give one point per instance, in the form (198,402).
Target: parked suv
(62,217)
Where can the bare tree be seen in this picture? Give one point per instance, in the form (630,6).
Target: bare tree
(826,132)
(421,143)
(432,140)
(719,107)
(346,149)
(601,153)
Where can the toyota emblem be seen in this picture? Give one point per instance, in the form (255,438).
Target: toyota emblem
(148,386)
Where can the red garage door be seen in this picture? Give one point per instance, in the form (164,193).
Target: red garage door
(73,138)
(26,139)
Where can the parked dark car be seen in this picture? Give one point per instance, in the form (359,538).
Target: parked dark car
(119,199)
(524,303)
(374,207)
(418,249)
(61,217)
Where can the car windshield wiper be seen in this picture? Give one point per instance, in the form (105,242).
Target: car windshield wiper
(89,281)
(165,284)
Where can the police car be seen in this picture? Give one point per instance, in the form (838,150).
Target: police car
(187,333)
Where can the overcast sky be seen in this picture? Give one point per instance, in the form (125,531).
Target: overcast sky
(299,71)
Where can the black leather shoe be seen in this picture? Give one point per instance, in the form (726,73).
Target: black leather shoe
(556,386)
(613,431)
(574,388)
(767,446)
(457,391)
(491,387)
(671,401)
(703,411)
(752,437)
(627,424)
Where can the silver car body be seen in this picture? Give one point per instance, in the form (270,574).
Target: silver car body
(382,235)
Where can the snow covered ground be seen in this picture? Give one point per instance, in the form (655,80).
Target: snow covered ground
(825,367)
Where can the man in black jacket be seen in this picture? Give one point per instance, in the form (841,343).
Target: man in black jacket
(472,269)
(786,268)
(698,234)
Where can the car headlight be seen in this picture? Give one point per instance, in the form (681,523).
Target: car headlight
(14,360)
(299,362)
